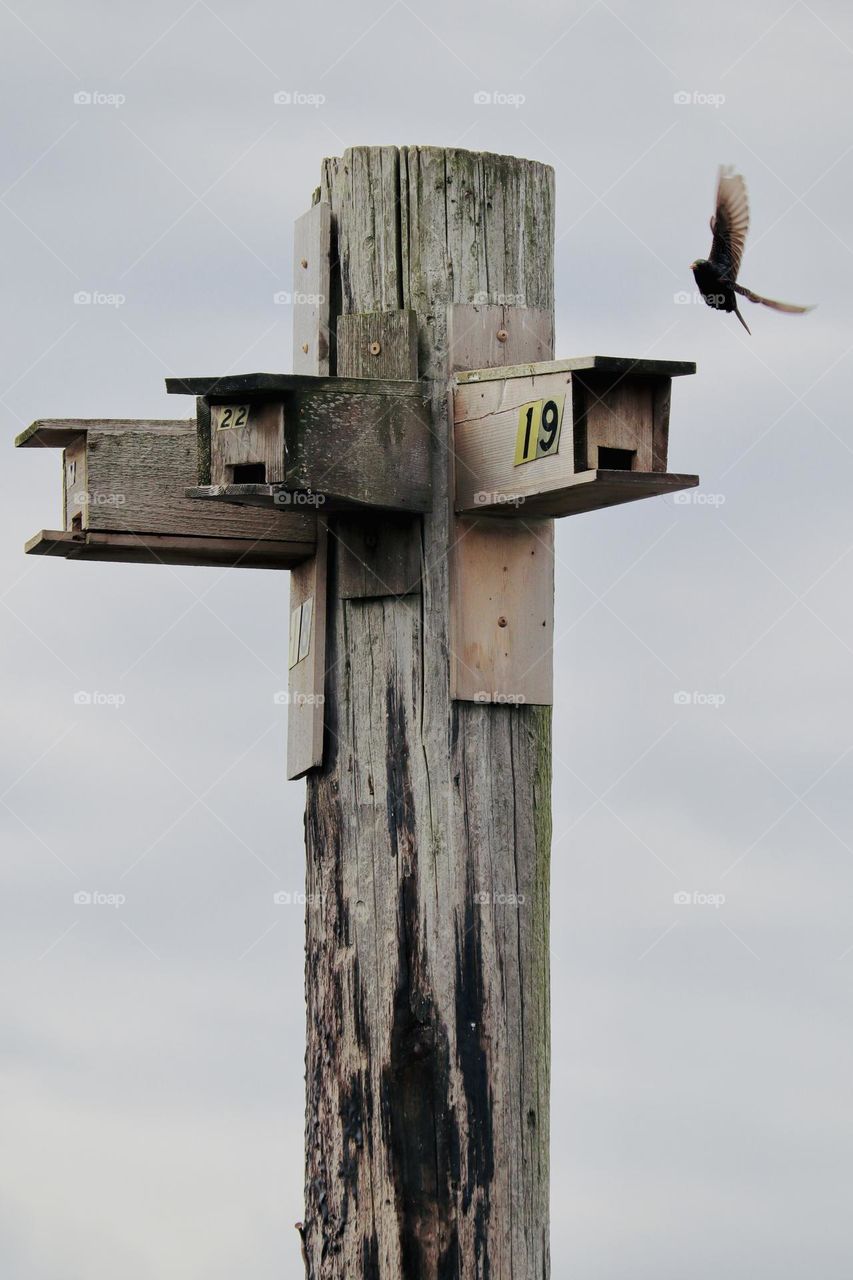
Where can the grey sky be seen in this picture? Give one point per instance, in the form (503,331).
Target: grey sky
(152,1063)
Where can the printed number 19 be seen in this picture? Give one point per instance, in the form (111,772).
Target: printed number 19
(539,429)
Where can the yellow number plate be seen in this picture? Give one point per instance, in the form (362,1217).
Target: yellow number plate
(228,416)
(539,424)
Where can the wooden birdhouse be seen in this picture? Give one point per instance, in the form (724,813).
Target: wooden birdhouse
(279,440)
(124,499)
(563,436)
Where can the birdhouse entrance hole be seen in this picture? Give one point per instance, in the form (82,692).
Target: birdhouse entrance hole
(248,473)
(616,459)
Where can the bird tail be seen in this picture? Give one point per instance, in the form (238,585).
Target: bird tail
(743,322)
(789,307)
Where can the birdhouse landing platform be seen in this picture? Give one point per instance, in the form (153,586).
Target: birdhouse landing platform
(561,437)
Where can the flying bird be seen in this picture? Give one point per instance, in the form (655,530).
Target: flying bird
(716,276)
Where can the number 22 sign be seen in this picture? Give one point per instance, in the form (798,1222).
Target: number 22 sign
(539,424)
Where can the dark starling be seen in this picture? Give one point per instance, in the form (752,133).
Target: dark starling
(716,277)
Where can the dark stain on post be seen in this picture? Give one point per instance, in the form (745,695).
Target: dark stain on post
(474,1065)
(400,802)
(417,1118)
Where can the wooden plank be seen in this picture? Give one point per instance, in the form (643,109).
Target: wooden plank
(618,366)
(378,556)
(310,299)
(378,344)
(497,574)
(498,334)
(271,386)
(586,491)
(307,671)
(502,632)
(159,548)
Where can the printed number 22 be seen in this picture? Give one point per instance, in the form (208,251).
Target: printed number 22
(233,415)
(539,425)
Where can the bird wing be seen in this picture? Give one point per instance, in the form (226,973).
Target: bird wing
(790,307)
(729,224)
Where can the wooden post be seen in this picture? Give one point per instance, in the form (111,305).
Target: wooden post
(428,826)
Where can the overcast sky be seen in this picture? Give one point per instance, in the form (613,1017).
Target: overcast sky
(702,1052)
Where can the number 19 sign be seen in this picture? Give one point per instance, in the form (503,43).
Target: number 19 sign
(539,424)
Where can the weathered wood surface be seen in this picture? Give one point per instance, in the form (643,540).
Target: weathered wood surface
(483,335)
(310,299)
(378,344)
(164,548)
(428,828)
(307,665)
(130,478)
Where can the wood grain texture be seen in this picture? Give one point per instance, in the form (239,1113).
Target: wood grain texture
(166,548)
(428,827)
(378,344)
(307,675)
(131,477)
(480,335)
(310,299)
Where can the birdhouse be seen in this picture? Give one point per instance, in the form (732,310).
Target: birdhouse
(563,436)
(280,440)
(124,499)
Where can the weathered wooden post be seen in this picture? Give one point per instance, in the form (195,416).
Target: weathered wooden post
(428,1039)
(408,472)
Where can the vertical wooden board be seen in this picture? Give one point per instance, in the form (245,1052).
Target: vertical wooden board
(247,434)
(474,329)
(75,484)
(311,288)
(307,660)
(378,344)
(502,616)
(377,556)
(661,397)
(498,572)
